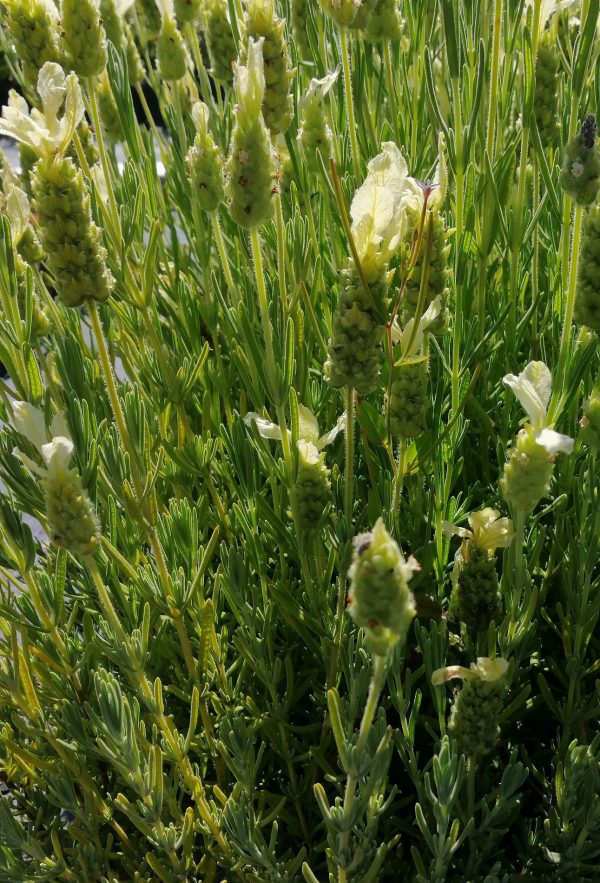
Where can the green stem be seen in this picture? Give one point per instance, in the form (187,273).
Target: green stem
(223,255)
(264,315)
(389,76)
(458,317)
(349,470)
(281,254)
(114,212)
(349,102)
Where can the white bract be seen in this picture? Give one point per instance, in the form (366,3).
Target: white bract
(250,80)
(47,132)
(435,191)
(488,530)
(317,90)
(533,388)
(309,440)
(54,444)
(486,669)
(16,207)
(166,9)
(411,338)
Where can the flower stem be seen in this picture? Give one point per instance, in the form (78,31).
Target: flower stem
(349,101)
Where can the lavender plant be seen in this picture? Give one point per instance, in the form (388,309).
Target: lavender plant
(266,353)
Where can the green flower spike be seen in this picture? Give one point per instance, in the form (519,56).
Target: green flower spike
(379,599)
(220,41)
(311,493)
(252,170)
(34,28)
(409,398)
(378,213)
(530,463)
(170,49)
(84,37)
(590,422)
(119,33)
(384,22)
(477,707)
(187,10)
(475,595)
(261,21)
(341,11)
(314,135)
(72,521)
(205,163)
(587,294)
(75,255)
(299,16)
(580,172)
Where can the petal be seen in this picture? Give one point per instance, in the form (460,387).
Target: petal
(18,211)
(308,428)
(340,426)
(200,117)
(250,80)
(555,442)
(31,423)
(265,428)
(532,387)
(28,462)
(451,530)
(498,535)
(59,426)
(57,453)
(52,89)
(74,111)
(490,669)
(309,452)
(166,9)
(411,342)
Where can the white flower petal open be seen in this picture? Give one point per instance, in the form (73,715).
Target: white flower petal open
(200,116)
(555,442)
(411,343)
(308,428)
(18,211)
(250,80)
(443,675)
(490,669)
(57,453)
(265,428)
(340,426)
(451,530)
(166,9)
(30,422)
(318,89)
(532,387)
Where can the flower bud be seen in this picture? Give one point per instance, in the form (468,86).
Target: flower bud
(580,171)
(527,472)
(170,52)
(75,255)
(72,521)
(546,89)
(33,26)
(409,399)
(341,11)
(438,278)
(251,164)
(476,711)
(261,21)
(299,16)
(379,599)
(109,113)
(355,351)
(384,22)
(220,42)
(314,135)
(587,296)
(362,15)
(187,11)
(311,494)
(84,36)
(475,598)
(205,163)
(590,422)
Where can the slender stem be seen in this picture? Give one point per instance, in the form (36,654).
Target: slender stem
(349,101)
(264,314)
(377,682)
(349,471)
(389,76)
(458,316)
(223,255)
(104,157)
(281,254)
(399,476)
(517,588)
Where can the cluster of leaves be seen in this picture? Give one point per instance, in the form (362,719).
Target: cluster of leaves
(184,704)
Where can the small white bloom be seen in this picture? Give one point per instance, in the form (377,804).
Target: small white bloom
(166,9)
(577,169)
(533,388)
(317,90)
(54,445)
(411,342)
(123,6)
(486,669)
(308,428)
(488,530)
(18,211)
(200,116)
(46,133)
(250,80)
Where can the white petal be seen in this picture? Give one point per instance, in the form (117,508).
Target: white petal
(532,387)
(308,428)
(490,669)
(555,442)
(308,452)
(28,462)
(442,675)
(340,426)
(166,9)
(73,113)
(52,89)
(123,6)
(410,349)
(59,426)
(451,530)
(200,116)
(18,211)
(318,89)
(30,422)
(265,428)
(250,80)
(57,453)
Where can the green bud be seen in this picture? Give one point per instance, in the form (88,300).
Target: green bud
(72,521)
(34,30)
(341,11)
(362,15)
(251,167)
(299,10)
(170,52)
(220,42)
(84,36)
(384,22)
(187,10)
(40,324)
(75,255)
(27,160)
(527,472)
(587,297)
(475,714)
(149,15)
(86,139)
(379,599)
(261,21)
(205,163)
(590,422)
(355,351)
(546,89)
(314,135)
(311,494)
(109,113)
(409,399)
(438,279)
(475,598)
(29,247)
(580,171)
